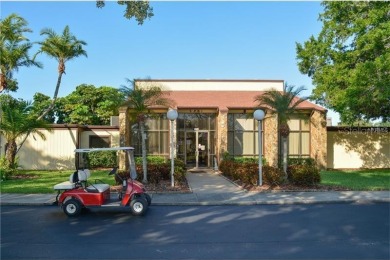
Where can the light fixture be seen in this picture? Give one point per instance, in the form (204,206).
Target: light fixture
(259,116)
(172,116)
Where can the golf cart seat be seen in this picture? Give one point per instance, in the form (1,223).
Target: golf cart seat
(79,178)
(83,176)
(67,185)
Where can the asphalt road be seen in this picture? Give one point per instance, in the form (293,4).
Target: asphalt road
(318,231)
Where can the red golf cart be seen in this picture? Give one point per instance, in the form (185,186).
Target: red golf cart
(79,193)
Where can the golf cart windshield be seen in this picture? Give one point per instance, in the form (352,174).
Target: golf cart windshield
(82,162)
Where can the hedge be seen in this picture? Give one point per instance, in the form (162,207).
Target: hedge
(304,175)
(159,170)
(248,173)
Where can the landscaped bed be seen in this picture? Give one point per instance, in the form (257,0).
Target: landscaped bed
(336,180)
(43,182)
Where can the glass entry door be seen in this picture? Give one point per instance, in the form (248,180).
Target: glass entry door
(197,149)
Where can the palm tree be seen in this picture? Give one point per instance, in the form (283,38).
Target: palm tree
(17,121)
(62,48)
(14,48)
(140,100)
(283,104)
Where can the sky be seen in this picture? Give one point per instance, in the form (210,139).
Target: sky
(183,40)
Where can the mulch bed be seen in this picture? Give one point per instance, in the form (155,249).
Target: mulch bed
(288,187)
(165,186)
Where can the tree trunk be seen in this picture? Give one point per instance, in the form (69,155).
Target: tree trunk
(47,110)
(143,145)
(10,153)
(3,82)
(284,140)
(54,97)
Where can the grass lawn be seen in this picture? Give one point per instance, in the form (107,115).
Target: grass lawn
(43,181)
(369,180)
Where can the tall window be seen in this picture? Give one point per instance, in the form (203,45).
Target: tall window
(299,138)
(157,136)
(243,135)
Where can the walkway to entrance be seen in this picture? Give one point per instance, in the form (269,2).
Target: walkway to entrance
(205,181)
(209,187)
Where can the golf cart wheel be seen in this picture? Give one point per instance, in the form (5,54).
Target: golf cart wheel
(72,208)
(138,206)
(148,198)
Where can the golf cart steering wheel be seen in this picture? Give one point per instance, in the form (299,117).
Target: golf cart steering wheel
(113,171)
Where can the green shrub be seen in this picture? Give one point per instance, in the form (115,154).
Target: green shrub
(6,171)
(248,173)
(178,162)
(227,167)
(179,174)
(301,161)
(161,170)
(304,175)
(245,160)
(273,176)
(151,159)
(103,159)
(226,156)
(240,159)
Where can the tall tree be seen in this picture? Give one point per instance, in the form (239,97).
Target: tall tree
(14,49)
(16,121)
(63,48)
(284,105)
(40,103)
(91,105)
(349,61)
(140,100)
(140,10)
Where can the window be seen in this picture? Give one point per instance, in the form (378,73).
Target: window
(96,141)
(157,136)
(299,138)
(243,135)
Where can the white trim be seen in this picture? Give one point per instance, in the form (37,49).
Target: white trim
(213,85)
(88,150)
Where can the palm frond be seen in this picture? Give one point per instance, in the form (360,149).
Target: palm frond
(141,100)
(284,104)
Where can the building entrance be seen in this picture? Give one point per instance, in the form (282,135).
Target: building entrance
(195,138)
(197,148)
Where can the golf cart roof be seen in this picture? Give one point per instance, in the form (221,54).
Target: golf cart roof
(89,150)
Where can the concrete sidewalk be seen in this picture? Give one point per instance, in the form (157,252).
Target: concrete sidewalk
(209,188)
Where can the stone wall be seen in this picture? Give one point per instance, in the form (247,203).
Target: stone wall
(318,138)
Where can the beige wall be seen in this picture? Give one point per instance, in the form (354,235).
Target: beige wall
(214,85)
(113,134)
(55,153)
(350,149)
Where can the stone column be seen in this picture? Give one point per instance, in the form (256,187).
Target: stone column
(222,133)
(318,138)
(271,146)
(124,136)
